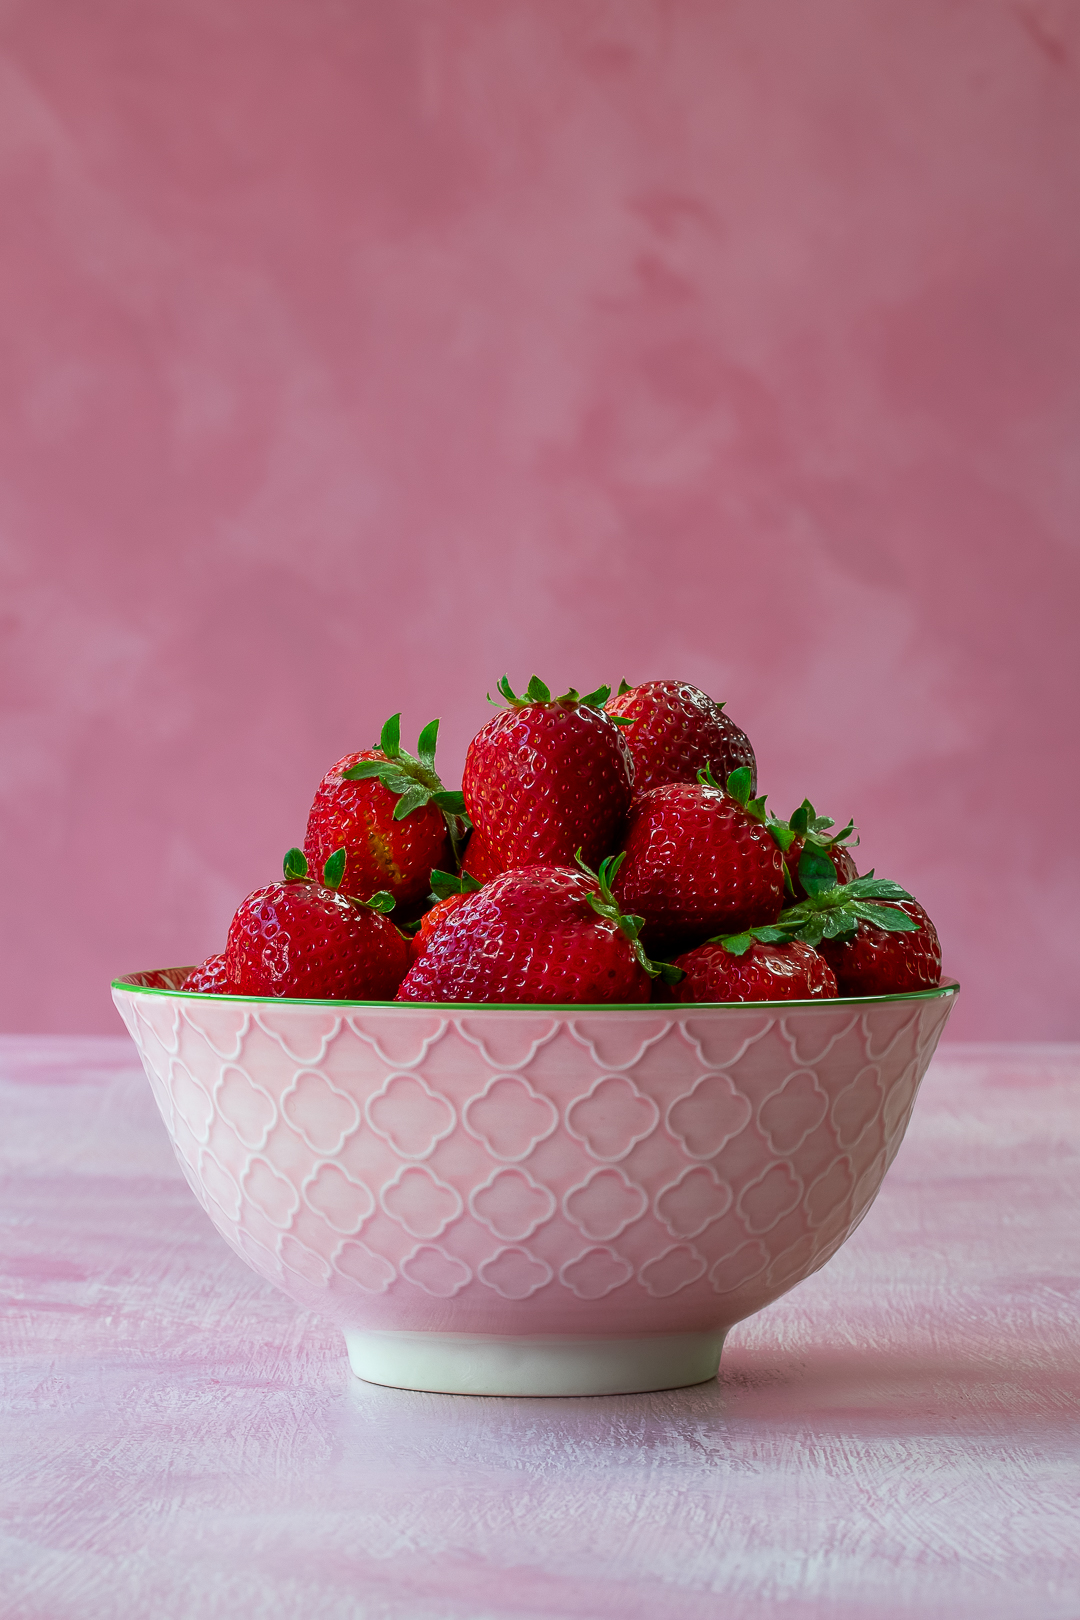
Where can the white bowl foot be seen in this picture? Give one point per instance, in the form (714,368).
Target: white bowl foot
(475,1364)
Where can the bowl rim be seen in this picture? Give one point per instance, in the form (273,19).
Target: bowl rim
(947,987)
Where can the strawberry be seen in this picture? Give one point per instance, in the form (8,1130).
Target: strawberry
(390,813)
(546,777)
(210,978)
(700,861)
(538,934)
(787,970)
(449,891)
(308,939)
(806,842)
(478,860)
(677,731)
(876,938)
(876,961)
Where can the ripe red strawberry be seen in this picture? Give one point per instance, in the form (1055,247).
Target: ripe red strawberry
(210,978)
(391,814)
(876,961)
(788,971)
(677,731)
(700,861)
(308,939)
(449,891)
(539,934)
(545,778)
(478,860)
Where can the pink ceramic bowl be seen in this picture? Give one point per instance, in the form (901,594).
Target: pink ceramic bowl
(533,1200)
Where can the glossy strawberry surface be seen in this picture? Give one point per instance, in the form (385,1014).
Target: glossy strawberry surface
(697,864)
(528,935)
(878,962)
(431,921)
(543,780)
(790,972)
(677,731)
(210,978)
(297,938)
(382,853)
(478,860)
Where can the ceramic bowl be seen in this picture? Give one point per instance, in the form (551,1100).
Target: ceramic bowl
(532,1200)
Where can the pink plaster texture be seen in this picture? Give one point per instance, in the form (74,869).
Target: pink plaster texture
(896,1439)
(353,354)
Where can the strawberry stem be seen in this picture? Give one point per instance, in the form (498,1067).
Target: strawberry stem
(412,778)
(605,905)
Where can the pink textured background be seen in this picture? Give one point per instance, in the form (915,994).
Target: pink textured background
(351,354)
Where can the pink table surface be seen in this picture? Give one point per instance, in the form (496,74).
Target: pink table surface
(898,1436)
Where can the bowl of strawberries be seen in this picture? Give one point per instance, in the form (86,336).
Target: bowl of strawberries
(539,1087)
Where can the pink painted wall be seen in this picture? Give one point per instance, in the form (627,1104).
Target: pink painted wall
(352,354)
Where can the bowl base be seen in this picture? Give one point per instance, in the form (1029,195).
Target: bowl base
(481,1364)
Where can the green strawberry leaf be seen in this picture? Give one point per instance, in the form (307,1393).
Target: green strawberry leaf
(738,784)
(799,820)
(413,797)
(624,687)
(334,869)
(295,865)
(629,925)
(816,872)
(621,719)
(784,836)
(536,691)
(426,744)
(363,770)
(597,699)
(739,944)
(412,779)
(872,888)
(383,902)
(390,740)
(667,972)
(444,884)
(450,802)
(837,923)
(887,917)
(605,905)
(609,868)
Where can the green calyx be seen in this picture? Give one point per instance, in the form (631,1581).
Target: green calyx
(444,884)
(830,913)
(294,865)
(738,787)
(605,905)
(382,902)
(537,692)
(412,777)
(739,944)
(334,869)
(297,871)
(816,870)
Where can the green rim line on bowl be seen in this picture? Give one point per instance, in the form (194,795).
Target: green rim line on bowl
(948,987)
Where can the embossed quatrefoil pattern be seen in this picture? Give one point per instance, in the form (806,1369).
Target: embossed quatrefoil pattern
(650,1169)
